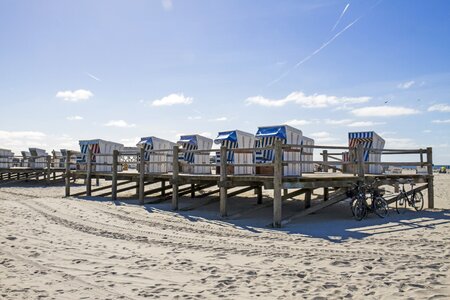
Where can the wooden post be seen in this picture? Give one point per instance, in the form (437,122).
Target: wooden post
(97,180)
(163,188)
(308,198)
(192,190)
(360,159)
(277,184)
(325,159)
(89,173)
(141,175)
(325,194)
(175,172)
(114,175)
(259,195)
(223,180)
(68,154)
(430,177)
(49,169)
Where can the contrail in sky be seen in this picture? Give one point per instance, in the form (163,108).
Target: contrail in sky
(340,17)
(315,52)
(93,77)
(324,45)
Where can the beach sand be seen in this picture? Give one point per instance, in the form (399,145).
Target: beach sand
(57,248)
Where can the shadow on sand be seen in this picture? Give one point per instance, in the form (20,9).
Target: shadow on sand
(334,223)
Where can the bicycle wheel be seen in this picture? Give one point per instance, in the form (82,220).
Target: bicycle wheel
(359,209)
(400,204)
(417,201)
(380,207)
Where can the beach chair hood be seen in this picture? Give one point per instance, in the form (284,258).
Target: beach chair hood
(275,131)
(226,136)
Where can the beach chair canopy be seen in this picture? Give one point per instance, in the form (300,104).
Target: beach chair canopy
(369,139)
(145,140)
(37,152)
(274,131)
(226,136)
(188,139)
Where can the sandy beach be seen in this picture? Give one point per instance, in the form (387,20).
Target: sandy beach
(57,248)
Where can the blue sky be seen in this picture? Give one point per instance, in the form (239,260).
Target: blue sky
(119,70)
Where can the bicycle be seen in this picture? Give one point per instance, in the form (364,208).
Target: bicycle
(416,199)
(359,206)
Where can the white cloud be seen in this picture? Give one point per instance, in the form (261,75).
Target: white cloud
(26,135)
(167,4)
(74,118)
(296,122)
(309,101)
(22,140)
(323,137)
(400,143)
(406,85)
(383,111)
(172,99)
(426,131)
(119,123)
(220,119)
(364,124)
(439,107)
(130,142)
(195,118)
(205,134)
(338,122)
(320,134)
(74,96)
(441,121)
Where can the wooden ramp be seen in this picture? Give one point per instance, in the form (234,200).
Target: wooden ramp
(338,196)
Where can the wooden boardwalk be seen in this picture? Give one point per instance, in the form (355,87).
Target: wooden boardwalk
(173,185)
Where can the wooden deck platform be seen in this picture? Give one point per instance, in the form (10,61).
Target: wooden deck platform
(334,186)
(175,184)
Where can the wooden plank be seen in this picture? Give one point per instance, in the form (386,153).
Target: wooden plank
(114,175)
(175,183)
(223,180)
(430,179)
(118,191)
(208,193)
(157,190)
(259,197)
(67,192)
(335,198)
(141,175)
(277,185)
(294,194)
(308,198)
(360,159)
(240,191)
(49,168)
(102,188)
(392,199)
(89,173)
(325,160)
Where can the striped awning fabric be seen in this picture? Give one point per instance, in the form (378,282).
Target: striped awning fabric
(266,156)
(365,138)
(230,154)
(95,148)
